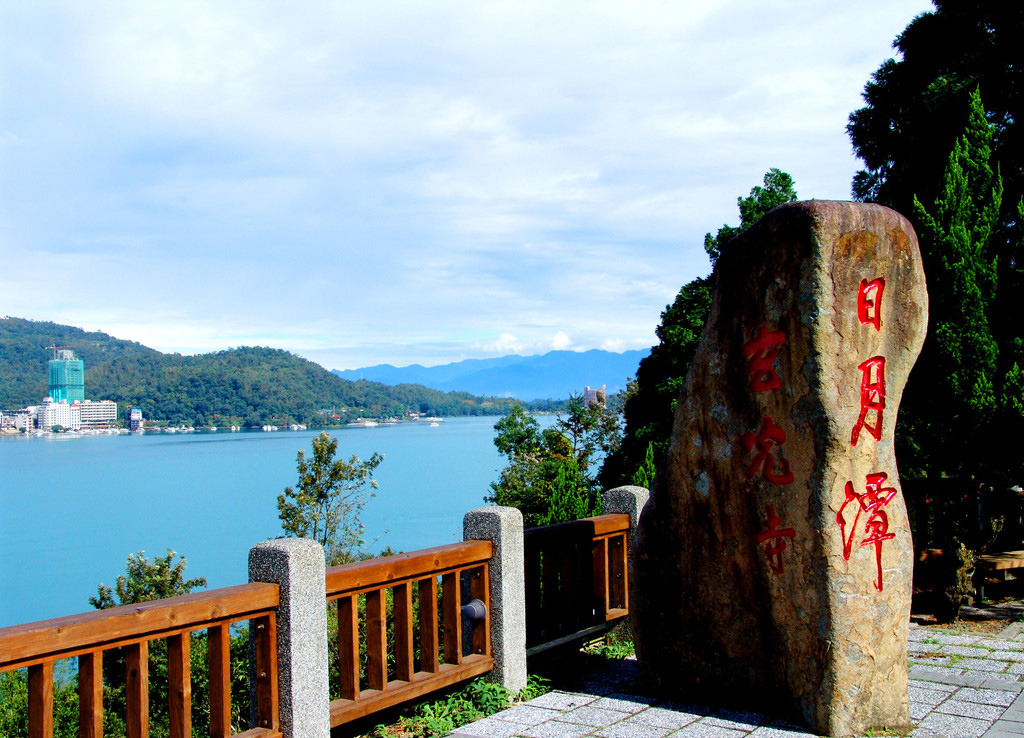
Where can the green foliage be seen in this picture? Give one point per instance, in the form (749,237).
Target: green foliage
(440,717)
(644,476)
(326,503)
(611,647)
(247,386)
(650,402)
(146,580)
(961,412)
(549,475)
(14,705)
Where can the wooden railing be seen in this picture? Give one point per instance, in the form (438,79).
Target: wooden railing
(37,646)
(576,580)
(428,651)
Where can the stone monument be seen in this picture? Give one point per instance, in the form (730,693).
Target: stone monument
(774,560)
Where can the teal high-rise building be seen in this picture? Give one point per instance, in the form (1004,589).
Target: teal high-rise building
(67,376)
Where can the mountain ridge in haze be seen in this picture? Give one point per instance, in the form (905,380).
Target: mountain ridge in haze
(555,375)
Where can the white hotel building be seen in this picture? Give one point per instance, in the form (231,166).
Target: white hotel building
(77,415)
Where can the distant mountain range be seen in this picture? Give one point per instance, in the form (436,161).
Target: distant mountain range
(555,375)
(249,386)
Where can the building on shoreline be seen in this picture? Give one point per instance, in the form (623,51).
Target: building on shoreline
(65,405)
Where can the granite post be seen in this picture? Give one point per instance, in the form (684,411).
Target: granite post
(774,559)
(503,526)
(297,566)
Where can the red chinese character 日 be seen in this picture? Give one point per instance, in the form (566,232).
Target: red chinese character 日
(767,437)
(774,539)
(872,398)
(760,353)
(876,528)
(869,302)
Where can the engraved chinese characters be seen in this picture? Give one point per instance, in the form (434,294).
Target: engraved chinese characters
(774,558)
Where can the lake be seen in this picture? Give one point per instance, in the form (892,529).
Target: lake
(74,508)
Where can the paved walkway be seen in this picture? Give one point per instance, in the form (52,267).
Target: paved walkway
(961,686)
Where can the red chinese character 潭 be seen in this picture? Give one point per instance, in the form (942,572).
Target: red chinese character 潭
(876,528)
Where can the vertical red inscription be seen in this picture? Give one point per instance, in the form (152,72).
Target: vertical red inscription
(872,398)
(869,302)
(774,539)
(767,437)
(876,528)
(760,353)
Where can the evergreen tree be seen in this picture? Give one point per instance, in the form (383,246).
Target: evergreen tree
(956,390)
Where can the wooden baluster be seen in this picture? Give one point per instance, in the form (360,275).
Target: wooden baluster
(376,641)
(618,570)
(348,646)
(137,707)
(401,596)
(179,685)
(40,700)
(534,591)
(428,625)
(452,618)
(90,695)
(601,604)
(218,659)
(267,713)
(480,589)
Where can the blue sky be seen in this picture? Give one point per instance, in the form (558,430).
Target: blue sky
(399,182)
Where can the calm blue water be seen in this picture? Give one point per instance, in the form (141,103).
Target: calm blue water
(72,509)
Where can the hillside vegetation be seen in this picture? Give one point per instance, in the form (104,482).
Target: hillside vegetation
(244,386)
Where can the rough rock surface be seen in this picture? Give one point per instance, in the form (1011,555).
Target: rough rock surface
(774,560)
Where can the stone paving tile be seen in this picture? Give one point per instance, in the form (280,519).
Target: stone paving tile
(931,660)
(924,669)
(919,647)
(1016,668)
(558,700)
(700,729)
(618,704)
(527,714)
(1001,644)
(970,709)
(985,696)
(628,729)
(769,731)
(664,718)
(953,726)
(1009,727)
(926,696)
(1006,681)
(1006,655)
(936,686)
(952,640)
(970,651)
(735,720)
(919,711)
(489,727)
(556,729)
(589,715)
(983,665)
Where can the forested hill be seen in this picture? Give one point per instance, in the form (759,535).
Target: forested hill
(244,386)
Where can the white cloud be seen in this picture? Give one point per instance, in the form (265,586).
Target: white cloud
(393,178)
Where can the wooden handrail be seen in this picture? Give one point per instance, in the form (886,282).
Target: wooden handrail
(49,640)
(388,570)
